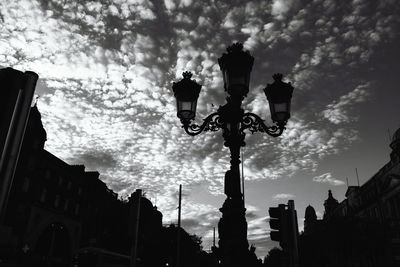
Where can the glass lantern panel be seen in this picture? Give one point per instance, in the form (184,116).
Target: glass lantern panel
(186,106)
(281,116)
(238,80)
(225,76)
(186,114)
(281,107)
(238,84)
(186,109)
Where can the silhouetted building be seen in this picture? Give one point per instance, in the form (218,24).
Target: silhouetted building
(363,229)
(330,205)
(16,93)
(311,222)
(149,241)
(54,207)
(59,213)
(275,258)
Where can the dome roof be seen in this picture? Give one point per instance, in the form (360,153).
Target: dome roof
(145,203)
(395,144)
(396,135)
(310,213)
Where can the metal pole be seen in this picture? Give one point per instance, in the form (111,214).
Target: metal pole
(294,250)
(178,241)
(214,249)
(243,180)
(214,236)
(15,137)
(136,234)
(358,180)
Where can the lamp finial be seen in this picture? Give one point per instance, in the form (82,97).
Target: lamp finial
(187,75)
(277,77)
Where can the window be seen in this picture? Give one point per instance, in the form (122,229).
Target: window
(47,174)
(388,209)
(76,209)
(43,195)
(395,213)
(25,185)
(57,201)
(80,191)
(60,181)
(66,203)
(376,212)
(69,185)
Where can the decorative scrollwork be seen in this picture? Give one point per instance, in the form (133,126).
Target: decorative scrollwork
(254,123)
(212,122)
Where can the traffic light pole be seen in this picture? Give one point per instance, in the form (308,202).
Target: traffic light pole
(293,228)
(283,220)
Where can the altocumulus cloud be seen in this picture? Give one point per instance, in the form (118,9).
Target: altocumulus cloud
(107,67)
(282,196)
(327,178)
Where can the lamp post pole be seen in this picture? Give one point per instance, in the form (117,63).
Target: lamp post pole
(232,227)
(236,66)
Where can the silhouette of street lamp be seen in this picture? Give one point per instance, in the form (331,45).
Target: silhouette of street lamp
(236,67)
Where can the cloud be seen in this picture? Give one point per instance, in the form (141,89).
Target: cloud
(327,178)
(282,196)
(106,71)
(281,7)
(337,112)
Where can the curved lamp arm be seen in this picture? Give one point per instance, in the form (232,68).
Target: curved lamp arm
(212,122)
(254,123)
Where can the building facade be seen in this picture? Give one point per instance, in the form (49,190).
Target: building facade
(364,228)
(53,207)
(57,211)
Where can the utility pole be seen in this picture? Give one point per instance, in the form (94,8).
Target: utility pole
(358,179)
(178,243)
(136,230)
(214,237)
(294,230)
(214,250)
(243,180)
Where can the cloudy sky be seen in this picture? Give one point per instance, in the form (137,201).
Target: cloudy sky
(106,69)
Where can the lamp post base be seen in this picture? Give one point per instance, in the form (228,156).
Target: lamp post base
(232,229)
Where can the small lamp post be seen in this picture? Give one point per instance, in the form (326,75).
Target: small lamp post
(236,67)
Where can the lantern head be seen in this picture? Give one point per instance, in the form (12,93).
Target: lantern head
(279,95)
(236,66)
(186,92)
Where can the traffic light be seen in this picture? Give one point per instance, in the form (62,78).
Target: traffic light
(278,222)
(283,220)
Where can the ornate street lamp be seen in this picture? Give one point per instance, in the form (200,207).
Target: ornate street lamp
(186,93)
(279,95)
(236,66)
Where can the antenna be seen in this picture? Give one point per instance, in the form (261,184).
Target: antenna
(243,179)
(214,236)
(178,249)
(136,233)
(358,180)
(36,100)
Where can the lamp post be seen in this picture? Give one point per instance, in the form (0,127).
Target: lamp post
(236,66)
